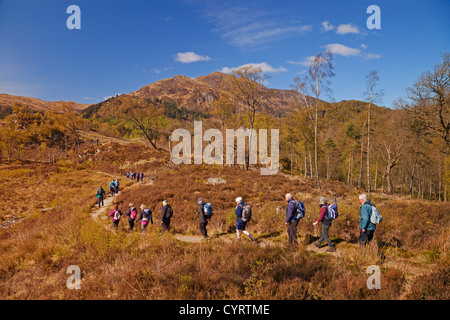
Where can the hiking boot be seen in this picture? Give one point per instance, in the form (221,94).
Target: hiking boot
(316,244)
(252,238)
(331,249)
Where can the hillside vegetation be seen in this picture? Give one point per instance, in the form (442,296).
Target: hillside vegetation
(52,161)
(57,230)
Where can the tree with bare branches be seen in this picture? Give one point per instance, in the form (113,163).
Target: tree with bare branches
(318,80)
(373,96)
(247,86)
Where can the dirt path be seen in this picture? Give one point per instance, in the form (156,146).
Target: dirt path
(109,200)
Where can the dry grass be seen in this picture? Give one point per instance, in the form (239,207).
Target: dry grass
(35,253)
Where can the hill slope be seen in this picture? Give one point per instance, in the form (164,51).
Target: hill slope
(8,101)
(198,94)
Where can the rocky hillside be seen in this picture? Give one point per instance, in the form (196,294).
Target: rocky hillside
(199,93)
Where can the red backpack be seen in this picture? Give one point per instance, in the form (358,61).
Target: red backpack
(133,213)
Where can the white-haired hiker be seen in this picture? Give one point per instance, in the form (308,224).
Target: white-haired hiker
(167,214)
(240,223)
(291,221)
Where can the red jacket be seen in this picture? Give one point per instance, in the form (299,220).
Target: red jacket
(323,217)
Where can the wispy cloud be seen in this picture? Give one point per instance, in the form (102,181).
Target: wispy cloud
(371,56)
(306,62)
(326,26)
(189,57)
(247,25)
(265,67)
(161,70)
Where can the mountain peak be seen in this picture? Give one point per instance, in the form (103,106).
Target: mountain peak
(197,94)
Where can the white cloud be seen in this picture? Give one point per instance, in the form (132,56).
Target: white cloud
(189,57)
(347,28)
(326,26)
(263,65)
(340,49)
(363,46)
(305,62)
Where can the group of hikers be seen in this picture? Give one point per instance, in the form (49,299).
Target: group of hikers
(135,175)
(369,218)
(295,211)
(113,189)
(114,186)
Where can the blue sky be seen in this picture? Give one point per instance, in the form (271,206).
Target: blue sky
(125,45)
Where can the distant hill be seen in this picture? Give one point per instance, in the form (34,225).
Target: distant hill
(197,94)
(8,101)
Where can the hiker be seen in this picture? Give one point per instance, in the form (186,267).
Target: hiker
(117,185)
(132,215)
(145,217)
(167,213)
(137,177)
(100,194)
(241,224)
(203,219)
(115,215)
(367,228)
(291,221)
(128,176)
(142,176)
(326,224)
(112,187)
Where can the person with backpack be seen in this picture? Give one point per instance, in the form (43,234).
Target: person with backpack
(324,217)
(112,187)
(366,226)
(243,216)
(167,214)
(145,217)
(115,215)
(291,220)
(204,217)
(100,194)
(132,215)
(142,176)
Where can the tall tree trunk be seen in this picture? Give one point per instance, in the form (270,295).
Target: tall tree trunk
(368,151)
(316,160)
(306,162)
(376,175)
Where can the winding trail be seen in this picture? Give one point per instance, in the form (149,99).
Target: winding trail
(109,200)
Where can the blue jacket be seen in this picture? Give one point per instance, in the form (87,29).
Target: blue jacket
(365,213)
(239,209)
(290,210)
